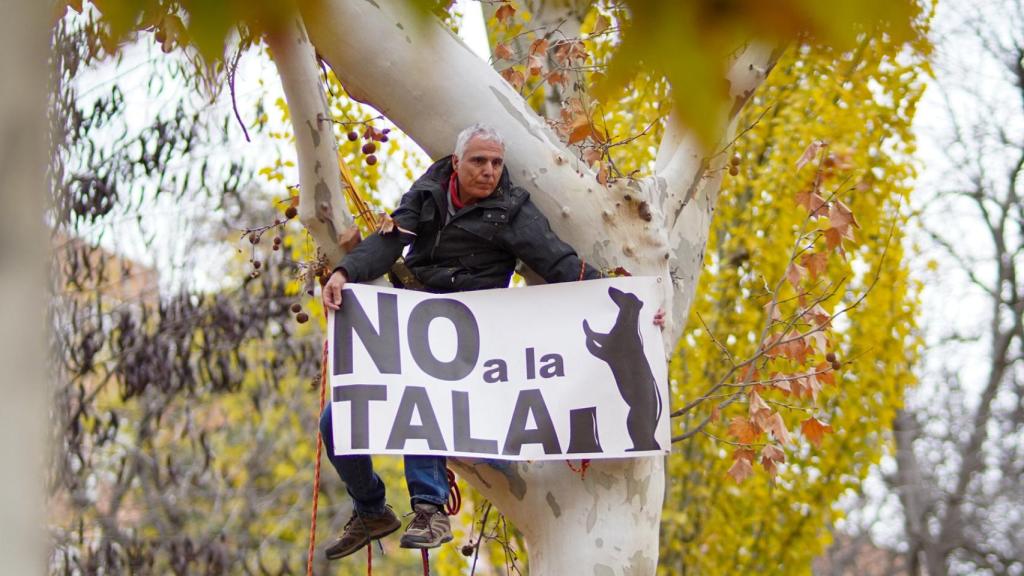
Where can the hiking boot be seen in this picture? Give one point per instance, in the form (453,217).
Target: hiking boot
(429,527)
(360,529)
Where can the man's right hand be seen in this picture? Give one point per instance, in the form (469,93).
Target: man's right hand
(332,290)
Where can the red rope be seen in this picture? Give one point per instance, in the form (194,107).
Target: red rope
(454,495)
(584,464)
(426,561)
(369,558)
(316,467)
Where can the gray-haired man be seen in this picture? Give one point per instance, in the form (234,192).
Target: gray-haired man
(465,225)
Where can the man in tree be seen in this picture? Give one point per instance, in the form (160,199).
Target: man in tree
(466,224)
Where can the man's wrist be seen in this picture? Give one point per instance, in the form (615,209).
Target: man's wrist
(342,271)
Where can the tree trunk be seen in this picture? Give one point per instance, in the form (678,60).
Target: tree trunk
(23,415)
(605,523)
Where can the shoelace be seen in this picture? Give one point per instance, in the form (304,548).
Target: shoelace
(421,520)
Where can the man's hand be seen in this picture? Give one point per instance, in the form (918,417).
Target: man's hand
(659,318)
(332,290)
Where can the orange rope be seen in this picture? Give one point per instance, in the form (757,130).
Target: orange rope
(316,468)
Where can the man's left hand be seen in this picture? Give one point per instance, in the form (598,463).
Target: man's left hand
(659,318)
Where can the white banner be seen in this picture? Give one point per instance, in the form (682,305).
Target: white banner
(572,370)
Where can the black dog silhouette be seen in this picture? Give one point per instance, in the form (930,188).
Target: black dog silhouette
(623,350)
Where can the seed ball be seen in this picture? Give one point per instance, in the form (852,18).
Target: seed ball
(371,159)
(254,239)
(831,357)
(296,308)
(255,274)
(276,247)
(734,171)
(386,130)
(369,148)
(277,240)
(383,138)
(302,317)
(256,264)
(735,160)
(836,365)
(291,212)
(352,136)
(467,550)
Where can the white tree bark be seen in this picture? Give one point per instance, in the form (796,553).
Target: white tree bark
(322,208)
(419,75)
(25,387)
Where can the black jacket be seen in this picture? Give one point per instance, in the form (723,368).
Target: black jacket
(478,246)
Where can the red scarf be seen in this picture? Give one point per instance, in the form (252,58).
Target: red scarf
(453,191)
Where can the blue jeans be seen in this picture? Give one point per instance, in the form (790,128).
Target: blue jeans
(425,476)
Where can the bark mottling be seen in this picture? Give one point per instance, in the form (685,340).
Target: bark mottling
(314,134)
(553,504)
(640,565)
(517,114)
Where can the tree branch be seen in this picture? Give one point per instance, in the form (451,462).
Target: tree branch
(322,209)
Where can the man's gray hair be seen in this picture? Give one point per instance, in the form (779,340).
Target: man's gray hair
(479,130)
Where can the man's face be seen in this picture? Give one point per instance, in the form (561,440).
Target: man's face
(479,169)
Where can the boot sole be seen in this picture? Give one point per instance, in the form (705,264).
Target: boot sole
(364,543)
(428,545)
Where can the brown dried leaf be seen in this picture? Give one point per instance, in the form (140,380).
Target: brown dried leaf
(811,201)
(809,153)
(841,216)
(741,470)
(814,430)
(777,427)
(759,410)
(820,316)
(825,373)
(504,13)
(387,225)
(581,128)
(591,156)
(349,238)
(502,51)
(815,263)
(602,174)
(795,273)
(743,430)
(773,453)
(782,382)
(513,77)
(813,386)
(817,341)
(601,24)
(557,77)
(539,47)
(776,314)
(535,64)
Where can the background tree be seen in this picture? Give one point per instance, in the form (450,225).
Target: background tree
(958,460)
(656,225)
(22,285)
